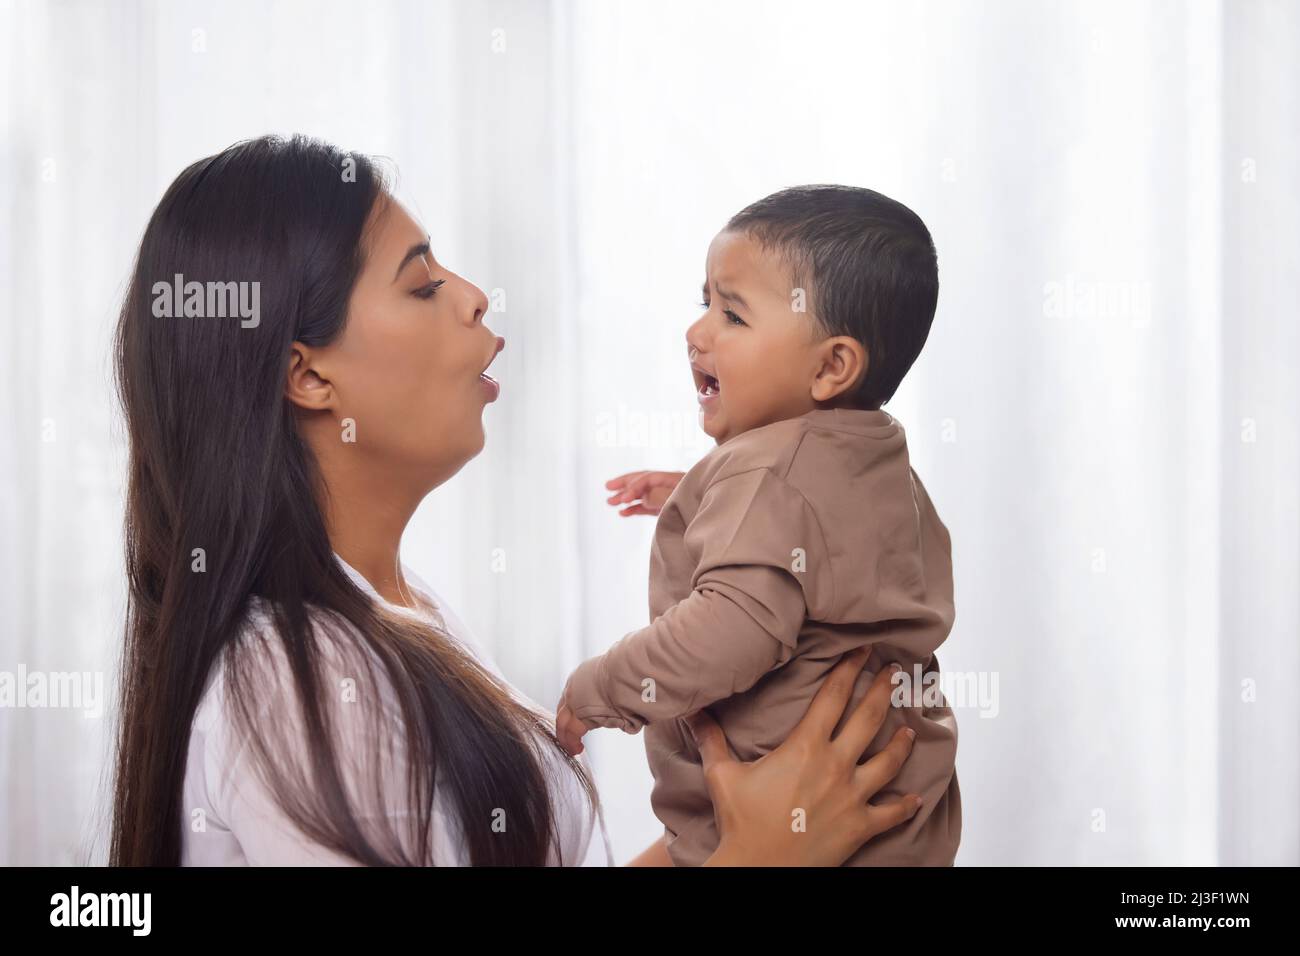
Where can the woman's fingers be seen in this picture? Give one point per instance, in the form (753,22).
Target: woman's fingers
(752,802)
(828,704)
(882,767)
(890,813)
(712,742)
(868,717)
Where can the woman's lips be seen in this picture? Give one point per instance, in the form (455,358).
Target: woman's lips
(491,387)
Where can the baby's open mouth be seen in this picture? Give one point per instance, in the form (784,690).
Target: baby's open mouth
(706,384)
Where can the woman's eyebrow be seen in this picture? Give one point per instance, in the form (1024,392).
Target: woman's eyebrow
(417,250)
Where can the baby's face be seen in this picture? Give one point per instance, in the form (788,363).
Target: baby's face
(753,356)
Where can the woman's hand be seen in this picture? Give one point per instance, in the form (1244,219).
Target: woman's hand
(647,490)
(754,803)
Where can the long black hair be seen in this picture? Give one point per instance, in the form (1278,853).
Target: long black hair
(224,518)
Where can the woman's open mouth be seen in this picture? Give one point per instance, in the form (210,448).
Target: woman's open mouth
(491,387)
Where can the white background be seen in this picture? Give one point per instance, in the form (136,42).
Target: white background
(1105,414)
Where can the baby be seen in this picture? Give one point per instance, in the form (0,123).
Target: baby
(804,534)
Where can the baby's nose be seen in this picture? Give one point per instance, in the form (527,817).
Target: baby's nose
(695,341)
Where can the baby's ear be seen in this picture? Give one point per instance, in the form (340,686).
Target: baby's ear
(842,366)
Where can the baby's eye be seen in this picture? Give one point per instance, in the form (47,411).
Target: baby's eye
(733,318)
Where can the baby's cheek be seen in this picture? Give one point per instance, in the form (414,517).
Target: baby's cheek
(760,401)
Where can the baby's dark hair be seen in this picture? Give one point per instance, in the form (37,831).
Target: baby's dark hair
(868,268)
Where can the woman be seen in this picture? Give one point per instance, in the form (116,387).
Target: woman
(298,372)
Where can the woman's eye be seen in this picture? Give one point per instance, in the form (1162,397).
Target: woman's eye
(427,291)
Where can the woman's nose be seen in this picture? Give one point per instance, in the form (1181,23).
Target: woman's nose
(479,302)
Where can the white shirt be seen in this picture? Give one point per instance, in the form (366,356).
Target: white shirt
(232,819)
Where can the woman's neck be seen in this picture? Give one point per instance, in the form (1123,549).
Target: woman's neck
(365,521)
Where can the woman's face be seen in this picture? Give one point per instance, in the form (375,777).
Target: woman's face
(406,378)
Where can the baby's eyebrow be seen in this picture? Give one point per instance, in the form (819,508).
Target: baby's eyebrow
(733,296)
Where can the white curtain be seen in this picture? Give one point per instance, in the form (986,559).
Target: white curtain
(1105,413)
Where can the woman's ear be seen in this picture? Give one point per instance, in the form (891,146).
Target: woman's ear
(304,384)
(842,368)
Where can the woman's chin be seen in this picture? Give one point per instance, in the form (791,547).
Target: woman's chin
(478,440)
(454,454)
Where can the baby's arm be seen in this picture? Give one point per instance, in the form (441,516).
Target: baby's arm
(760,571)
(739,623)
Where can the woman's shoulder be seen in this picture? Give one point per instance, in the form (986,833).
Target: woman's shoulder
(361,713)
(267,667)
(268,694)
(445,618)
(584,836)
(354,692)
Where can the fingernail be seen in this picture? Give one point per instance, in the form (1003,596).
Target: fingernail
(911,734)
(916,804)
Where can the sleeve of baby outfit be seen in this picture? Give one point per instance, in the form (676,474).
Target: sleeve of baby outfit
(754,534)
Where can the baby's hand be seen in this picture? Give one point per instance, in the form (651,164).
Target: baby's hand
(569,730)
(647,490)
